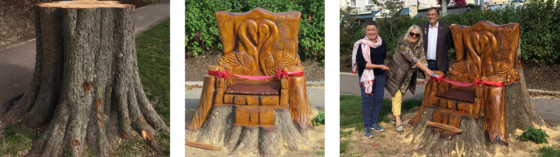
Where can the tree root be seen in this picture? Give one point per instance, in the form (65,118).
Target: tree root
(240,140)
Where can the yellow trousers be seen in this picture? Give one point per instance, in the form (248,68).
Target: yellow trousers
(397,102)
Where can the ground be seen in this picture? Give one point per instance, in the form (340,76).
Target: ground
(17,19)
(545,77)
(392,143)
(319,140)
(196,67)
(153,61)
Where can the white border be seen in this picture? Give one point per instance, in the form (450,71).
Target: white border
(332,78)
(177,80)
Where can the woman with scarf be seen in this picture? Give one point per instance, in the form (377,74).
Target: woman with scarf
(367,60)
(409,57)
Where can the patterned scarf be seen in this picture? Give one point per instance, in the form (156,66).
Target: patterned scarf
(367,77)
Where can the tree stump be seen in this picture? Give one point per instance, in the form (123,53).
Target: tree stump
(86,91)
(219,130)
(495,111)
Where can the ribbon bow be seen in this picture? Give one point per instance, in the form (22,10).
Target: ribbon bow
(219,74)
(478,81)
(436,78)
(279,74)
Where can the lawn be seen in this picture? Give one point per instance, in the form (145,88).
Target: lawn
(152,48)
(351,115)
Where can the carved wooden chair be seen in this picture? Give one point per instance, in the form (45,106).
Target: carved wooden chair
(488,56)
(256,44)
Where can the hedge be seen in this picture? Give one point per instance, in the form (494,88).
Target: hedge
(539,20)
(203,36)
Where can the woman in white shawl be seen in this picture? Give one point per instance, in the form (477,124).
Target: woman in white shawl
(367,60)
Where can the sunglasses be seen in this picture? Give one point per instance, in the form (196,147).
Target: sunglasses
(414,35)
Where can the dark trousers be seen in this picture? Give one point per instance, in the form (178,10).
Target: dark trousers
(371,104)
(432,65)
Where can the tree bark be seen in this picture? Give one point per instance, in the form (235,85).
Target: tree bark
(219,130)
(86,88)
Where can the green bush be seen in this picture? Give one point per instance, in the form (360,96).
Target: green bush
(540,39)
(202,34)
(535,135)
(319,119)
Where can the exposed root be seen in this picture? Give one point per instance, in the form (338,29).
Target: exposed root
(240,140)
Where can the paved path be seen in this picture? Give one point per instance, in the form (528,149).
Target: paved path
(315,95)
(17,62)
(548,109)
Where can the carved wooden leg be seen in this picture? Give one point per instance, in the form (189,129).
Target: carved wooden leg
(220,89)
(426,101)
(284,92)
(204,105)
(298,102)
(494,120)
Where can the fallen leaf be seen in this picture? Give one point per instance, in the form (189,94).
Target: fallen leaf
(375,144)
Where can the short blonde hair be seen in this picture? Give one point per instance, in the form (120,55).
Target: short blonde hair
(418,30)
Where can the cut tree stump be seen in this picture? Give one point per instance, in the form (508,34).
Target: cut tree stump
(473,141)
(219,130)
(86,91)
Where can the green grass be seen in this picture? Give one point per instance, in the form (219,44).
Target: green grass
(321,152)
(548,152)
(351,111)
(152,48)
(344,146)
(350,116)
(383,152)
(345,133)
(16,139)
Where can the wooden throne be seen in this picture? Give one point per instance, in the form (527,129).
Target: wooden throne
(256,44)
(489,56)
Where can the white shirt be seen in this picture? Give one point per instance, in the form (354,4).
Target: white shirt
(432,41)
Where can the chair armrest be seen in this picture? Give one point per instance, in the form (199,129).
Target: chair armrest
(216,68)
(221,84)
(294,68)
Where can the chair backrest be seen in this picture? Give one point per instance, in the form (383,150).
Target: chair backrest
(487,49)
(258,42)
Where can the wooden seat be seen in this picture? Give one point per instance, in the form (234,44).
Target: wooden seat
(256,44)
(254,88)
(466,94)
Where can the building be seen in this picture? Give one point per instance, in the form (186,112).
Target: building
(366,9)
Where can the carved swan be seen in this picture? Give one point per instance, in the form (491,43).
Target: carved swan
(246,57)
(270,58)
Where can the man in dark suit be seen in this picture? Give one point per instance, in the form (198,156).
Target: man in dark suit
(437,39)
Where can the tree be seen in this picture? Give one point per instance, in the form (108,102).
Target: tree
(86,91)
(350,30)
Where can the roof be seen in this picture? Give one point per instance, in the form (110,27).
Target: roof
(404,11)
(368,15)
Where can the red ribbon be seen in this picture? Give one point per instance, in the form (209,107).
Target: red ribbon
(437,79)
(279,73)
(476,82)
(218,74)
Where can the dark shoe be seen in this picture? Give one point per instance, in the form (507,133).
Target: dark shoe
(368,133)
(376,127)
